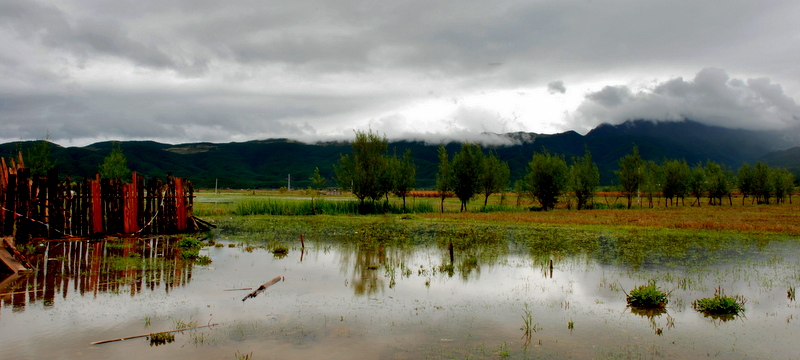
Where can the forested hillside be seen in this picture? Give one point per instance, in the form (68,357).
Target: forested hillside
(268,163)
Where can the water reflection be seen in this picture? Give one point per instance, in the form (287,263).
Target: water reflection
(94,267)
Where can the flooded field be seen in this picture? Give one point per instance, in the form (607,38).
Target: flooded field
(388,288)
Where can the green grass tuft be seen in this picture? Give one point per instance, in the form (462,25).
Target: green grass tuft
(647,296)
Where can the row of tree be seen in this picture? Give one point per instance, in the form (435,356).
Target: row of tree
(370,173)
(675,180)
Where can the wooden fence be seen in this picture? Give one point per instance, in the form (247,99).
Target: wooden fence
(43,206)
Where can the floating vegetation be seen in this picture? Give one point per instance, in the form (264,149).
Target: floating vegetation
(721,306)
(280,251)
(647,297)
(203,260)
(161,338)
(189,247)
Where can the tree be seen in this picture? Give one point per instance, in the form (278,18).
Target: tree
(651,181)
(584,177)
(365,172)
(631,174)
(745,177)
(719,183)
(783,183)
(495,176)
(546,178)
(675,183)
(762,186)
(697,183)
(444,178)
(317,183)
(39,157)
(404,176)
(115,165)
(467,171)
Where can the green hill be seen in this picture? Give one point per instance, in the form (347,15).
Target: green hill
(268,163)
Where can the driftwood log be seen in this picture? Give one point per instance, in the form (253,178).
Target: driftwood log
(263,287)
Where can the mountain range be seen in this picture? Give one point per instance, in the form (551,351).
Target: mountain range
(270,163)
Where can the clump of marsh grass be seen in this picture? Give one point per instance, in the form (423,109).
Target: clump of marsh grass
(647,297)
(720,306)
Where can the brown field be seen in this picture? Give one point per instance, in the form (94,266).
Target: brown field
(738,218)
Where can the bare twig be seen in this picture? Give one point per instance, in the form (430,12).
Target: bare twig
(143,335)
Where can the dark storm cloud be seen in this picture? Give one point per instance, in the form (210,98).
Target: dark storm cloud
(181,69)
(712,97)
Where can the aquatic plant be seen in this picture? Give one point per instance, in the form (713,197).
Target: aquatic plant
(647,296)
(203,260)
(720,305)
(161,338)
(241,356)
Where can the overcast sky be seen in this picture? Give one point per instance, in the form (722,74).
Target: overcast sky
(221,71)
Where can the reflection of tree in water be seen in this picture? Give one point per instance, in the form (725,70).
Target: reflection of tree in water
(371,265)
(93,267)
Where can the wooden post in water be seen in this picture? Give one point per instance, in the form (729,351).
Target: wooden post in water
(450,247)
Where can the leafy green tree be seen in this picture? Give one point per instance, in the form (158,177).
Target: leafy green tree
(584,177)
(495,176)
(365,173)
(444,178)
(317,183)
(519,188)
(39,158)
(762,184)
(115,165)
(676,180)
(631,174)
(651,181)
(783,183)
(467,172)
(546,178)
(719,182)
(745,178)
(697,183)
(404,174)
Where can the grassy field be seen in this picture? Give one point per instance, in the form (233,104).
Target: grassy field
(747,218)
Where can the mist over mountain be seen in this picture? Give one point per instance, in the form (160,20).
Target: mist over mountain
(269,163)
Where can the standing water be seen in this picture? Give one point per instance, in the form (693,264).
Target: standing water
(365,294)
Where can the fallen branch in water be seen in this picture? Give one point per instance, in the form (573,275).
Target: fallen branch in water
(262,288)
(238,289)
(144,335)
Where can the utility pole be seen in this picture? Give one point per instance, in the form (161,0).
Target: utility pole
(289,184)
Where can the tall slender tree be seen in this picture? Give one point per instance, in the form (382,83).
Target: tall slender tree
(745,177)
(495,176)
(676,180)
(584,177)
(467,171)
(404,176)
(631,174)
(444,178)
(697,183)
